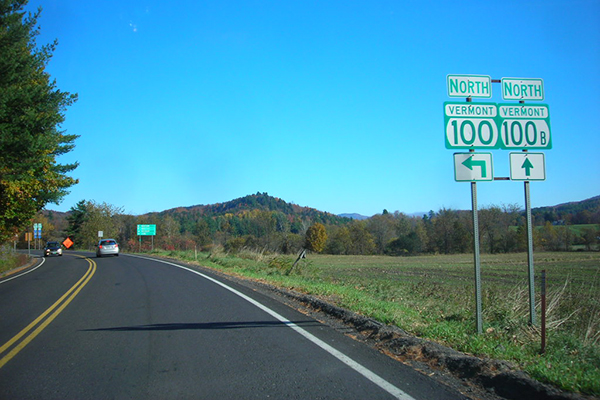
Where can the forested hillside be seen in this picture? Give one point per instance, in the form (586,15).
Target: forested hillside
(574,213)
(265,223)
(240,208)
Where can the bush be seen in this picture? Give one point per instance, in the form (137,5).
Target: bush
(281,265)
(236,244)
(10,260)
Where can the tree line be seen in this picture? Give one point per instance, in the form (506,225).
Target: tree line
(502,230)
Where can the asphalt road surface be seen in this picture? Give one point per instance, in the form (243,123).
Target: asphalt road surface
(80,327)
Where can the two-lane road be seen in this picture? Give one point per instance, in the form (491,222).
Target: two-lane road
(130,327)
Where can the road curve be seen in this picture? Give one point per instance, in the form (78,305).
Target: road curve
(143,328)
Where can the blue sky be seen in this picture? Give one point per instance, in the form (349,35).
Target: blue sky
(336,105)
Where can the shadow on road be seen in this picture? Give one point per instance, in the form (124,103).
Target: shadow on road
(203,326)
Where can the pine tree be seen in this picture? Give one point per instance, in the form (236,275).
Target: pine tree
(78,215)
(31,111)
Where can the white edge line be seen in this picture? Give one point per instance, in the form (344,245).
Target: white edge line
(376,379)
(24,273)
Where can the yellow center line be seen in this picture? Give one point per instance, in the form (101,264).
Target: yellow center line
(69,296)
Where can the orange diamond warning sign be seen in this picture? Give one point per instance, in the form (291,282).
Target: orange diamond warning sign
(68,243)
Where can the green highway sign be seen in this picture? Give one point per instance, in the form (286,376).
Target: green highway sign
(469,86)
(508,126)
(471,125)
(37,230)
(524,126)
(527,166)
(473,167)
(146,230)
(522,89)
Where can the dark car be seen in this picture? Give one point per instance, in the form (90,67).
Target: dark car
(107,247)
(52,249)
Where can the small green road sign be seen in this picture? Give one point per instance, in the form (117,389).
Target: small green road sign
(37,230)
(146,230)
(471,125)
(524,126)
(522,89)
(473,167)
(527,166)
(469,86)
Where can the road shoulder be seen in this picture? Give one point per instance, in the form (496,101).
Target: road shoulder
(477,378)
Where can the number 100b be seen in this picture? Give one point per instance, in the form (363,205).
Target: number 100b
(525,133)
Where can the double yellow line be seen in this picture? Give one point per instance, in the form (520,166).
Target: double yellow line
(15,345)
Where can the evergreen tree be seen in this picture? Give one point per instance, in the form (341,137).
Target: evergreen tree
(31,110)
(77,216)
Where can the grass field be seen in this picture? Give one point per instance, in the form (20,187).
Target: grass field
(433,297)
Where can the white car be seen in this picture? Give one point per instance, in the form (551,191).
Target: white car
(52,248)
(107,247)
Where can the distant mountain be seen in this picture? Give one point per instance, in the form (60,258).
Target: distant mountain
(591,204)
(354,216)
(576,212)
(360,217)
(258,201)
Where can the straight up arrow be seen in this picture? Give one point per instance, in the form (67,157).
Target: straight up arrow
(528,166)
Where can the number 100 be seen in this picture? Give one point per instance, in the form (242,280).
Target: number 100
(475,132)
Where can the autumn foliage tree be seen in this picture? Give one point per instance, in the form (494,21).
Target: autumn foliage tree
(31,111)
(316,238)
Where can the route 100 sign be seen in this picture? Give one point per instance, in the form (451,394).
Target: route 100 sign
(497,126)
(471,125)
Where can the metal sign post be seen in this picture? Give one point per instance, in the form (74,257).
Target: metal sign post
(543,349)
(471,125)
(530,270)
(476,258)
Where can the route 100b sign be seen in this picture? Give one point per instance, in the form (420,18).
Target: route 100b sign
(525,126)
(497,126)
